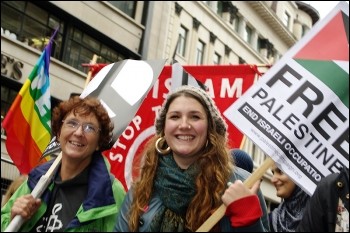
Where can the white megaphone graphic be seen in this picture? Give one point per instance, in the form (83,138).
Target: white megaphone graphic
(125,85)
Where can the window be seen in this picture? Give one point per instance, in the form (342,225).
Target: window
(31,25)
(128,7)
(241,60)
(5,183)
(248,34)
(217,59)
(286,19)
(263,45)
(81,47)
(304,30)
(219,8)
(181,43)
(8,95)
(200,52)
(34,26)
(236,23)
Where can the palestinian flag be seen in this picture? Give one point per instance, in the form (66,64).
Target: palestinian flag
(327,60)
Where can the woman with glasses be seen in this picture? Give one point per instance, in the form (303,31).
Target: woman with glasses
(83,195)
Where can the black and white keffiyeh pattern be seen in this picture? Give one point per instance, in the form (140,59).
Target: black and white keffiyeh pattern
(286,217)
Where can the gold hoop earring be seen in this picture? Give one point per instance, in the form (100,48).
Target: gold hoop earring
(162,151)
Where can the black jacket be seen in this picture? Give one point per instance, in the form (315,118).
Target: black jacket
(321,211)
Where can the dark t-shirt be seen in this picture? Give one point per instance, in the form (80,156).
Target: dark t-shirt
(66,198)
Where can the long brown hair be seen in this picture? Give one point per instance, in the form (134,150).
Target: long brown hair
(215,166)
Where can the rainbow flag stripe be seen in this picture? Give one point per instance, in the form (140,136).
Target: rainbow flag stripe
(28,122)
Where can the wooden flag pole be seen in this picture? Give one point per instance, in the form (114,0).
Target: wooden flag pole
(88,78)
(44,180)
(220,212)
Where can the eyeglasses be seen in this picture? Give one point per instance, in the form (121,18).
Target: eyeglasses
(87,127)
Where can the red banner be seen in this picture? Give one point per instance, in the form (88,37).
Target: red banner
(225,84)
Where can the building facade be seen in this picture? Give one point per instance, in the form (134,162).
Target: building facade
(191,32)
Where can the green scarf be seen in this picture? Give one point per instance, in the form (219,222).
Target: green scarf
(176,188)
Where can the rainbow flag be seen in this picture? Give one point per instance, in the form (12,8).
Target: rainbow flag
(28,122)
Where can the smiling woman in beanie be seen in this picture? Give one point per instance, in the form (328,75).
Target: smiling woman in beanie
(186,168)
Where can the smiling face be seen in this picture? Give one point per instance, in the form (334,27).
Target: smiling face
(76,144)
(185,130)
(283,184)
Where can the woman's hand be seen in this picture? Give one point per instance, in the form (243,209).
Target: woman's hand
(237,191)
(25,206)
(243,205)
